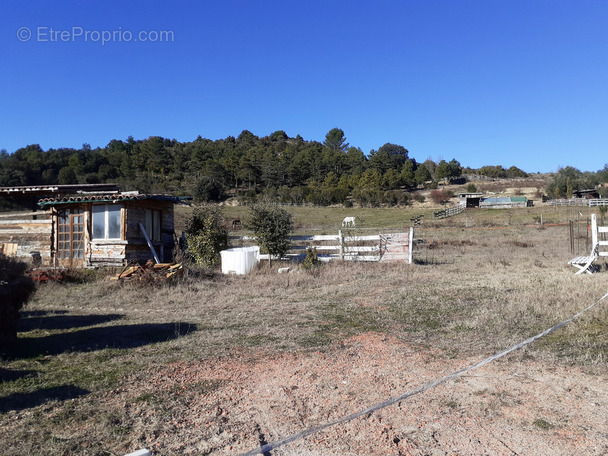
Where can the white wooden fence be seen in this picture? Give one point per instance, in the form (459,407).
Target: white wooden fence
(569,202)
(348,246)
(579,202)
(598,202)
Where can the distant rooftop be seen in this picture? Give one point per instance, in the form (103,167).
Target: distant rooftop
(58,189)
(505,199)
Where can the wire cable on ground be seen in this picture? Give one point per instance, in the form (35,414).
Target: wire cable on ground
(313,430)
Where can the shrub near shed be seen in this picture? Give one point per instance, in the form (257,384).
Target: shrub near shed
(15,291)
(207,236)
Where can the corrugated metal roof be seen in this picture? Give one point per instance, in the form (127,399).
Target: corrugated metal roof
(497,199)
(113,198)
(504,199)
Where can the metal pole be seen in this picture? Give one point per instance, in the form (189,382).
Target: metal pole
(143,230)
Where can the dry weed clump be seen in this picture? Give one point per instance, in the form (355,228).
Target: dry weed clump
(522,244)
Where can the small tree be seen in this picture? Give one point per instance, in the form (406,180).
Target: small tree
(422,175)
(15,291)
(207,236)
(271,225)
(208,189)
(569,187)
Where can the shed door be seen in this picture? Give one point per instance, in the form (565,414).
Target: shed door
(70,237)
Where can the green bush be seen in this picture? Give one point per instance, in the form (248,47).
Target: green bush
(206,236)
(15,291)
(311,260)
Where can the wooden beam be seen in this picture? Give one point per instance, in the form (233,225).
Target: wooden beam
(143,230)
(23,214)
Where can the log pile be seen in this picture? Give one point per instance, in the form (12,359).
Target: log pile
(150,270)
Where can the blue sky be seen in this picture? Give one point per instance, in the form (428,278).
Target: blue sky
(510,82)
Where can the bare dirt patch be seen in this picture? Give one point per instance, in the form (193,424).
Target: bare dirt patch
(233,405)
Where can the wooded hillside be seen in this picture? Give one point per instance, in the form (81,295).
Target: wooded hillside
(289,170)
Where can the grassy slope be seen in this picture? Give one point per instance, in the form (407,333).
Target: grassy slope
(330,218)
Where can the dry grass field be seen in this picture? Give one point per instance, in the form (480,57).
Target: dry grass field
(213,364)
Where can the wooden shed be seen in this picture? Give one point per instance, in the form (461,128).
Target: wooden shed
(89,230)
(86,225)
(25,230)
(471,199)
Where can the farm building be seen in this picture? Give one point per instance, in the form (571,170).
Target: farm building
(471,200)
(92,229)
(588,193)
(504,202)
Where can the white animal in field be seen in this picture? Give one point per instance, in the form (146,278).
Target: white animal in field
(348,221)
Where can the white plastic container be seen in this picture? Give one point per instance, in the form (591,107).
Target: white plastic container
(240,260)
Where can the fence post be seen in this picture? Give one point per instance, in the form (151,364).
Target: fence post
(410,246)
(571,222)
(341,241)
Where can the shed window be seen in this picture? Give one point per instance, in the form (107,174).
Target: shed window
(153,220)
(106,221)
